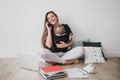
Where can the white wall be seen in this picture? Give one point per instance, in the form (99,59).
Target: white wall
(21,23)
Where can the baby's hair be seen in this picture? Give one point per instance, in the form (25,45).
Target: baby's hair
(60,29)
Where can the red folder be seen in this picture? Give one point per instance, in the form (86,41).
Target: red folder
(50,69)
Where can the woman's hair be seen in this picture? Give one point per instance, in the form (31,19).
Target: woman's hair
(45,32)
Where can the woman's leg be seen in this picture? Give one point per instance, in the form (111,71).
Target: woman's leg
(51,57)
(74,53)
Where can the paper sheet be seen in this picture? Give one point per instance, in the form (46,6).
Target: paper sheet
(76,73)
(89,68)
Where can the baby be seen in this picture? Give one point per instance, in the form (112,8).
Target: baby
(60,30)
(60,35)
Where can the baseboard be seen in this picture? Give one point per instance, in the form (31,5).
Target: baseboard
(112,54)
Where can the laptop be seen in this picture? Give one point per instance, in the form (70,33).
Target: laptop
(28,61)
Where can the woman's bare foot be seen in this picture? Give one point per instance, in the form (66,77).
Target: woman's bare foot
(76,61)
(71,61)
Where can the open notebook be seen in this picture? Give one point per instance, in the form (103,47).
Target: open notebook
(80,72)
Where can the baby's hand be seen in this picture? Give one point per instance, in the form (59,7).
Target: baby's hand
(61,44)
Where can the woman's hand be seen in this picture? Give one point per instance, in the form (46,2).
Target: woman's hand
(48,27)
(62,44)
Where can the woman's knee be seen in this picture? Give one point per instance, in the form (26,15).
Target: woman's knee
(80,50)
(43,52)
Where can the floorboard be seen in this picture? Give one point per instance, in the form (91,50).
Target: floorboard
(10,70)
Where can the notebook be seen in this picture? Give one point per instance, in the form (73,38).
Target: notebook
(53,72)
(77,73)
(51,69)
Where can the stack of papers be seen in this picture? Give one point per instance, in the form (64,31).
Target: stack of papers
(53,72)
(56,72)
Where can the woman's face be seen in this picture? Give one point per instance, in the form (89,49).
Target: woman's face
(52,19)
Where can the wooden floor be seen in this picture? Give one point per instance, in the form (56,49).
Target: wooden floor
(9,70)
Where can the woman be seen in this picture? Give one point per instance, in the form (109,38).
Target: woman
(58,52)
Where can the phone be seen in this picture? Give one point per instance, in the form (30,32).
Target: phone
(49,24)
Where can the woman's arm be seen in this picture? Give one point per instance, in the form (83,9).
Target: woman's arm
(64,45)
(70,42)
(49,37)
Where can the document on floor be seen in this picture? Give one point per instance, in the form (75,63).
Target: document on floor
(76,73)
(90,68)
